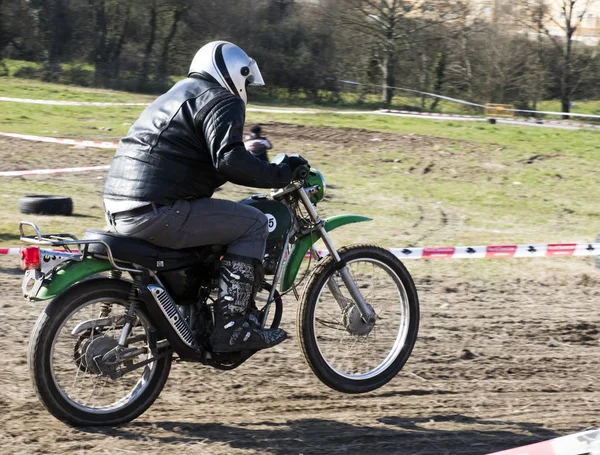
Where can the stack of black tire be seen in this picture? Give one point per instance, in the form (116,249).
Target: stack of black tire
(46,205)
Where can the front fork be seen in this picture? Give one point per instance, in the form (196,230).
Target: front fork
(366,311)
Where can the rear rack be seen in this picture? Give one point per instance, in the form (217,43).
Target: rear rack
(68,241)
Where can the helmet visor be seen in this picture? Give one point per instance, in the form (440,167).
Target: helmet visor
(254,78)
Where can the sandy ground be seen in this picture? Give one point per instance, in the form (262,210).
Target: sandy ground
(498,364)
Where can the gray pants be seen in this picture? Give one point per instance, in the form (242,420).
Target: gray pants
(201,222)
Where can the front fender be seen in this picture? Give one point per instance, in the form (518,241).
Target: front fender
(302,245)
(71,273)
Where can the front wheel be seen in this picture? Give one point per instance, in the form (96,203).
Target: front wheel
(344,351)
(72,368)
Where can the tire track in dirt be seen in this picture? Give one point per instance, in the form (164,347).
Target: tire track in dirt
(531,373)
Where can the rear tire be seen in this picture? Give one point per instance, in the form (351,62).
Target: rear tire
(42,346)
(327,332)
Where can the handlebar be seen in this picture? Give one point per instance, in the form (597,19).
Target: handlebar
(301,172)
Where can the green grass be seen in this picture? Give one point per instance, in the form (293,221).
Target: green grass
(33,89)
(581,107)
(489,184)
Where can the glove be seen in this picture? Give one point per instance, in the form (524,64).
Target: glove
(299,167)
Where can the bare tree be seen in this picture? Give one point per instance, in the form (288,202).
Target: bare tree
(571,15)
(394,24)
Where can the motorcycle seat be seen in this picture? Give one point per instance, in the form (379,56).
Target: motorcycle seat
(136,251)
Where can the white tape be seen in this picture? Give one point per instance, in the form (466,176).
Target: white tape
(586,442)
(459,101)
(67,103)
(53,171)
(250,109)
(428,114)
(308,111)
(56,140)
(410,90)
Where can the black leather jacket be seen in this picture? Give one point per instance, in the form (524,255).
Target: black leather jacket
(188,142)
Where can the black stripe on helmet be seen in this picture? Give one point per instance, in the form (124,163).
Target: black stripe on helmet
(220,61)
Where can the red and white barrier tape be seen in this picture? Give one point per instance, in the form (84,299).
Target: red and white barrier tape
(480,118)
(9,250)
(496,251)
(60,140)
(552,122)
(500,251)
(586,442)
(476,252)
(53,171)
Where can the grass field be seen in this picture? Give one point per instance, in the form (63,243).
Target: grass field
(507,349)
(348,97)
(464,183)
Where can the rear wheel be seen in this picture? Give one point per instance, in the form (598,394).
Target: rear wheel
(345,352)
(73,372)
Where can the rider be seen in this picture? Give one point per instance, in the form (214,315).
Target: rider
(186,144)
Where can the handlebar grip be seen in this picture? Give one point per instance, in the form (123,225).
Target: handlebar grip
(301,172)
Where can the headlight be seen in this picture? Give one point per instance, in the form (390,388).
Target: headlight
(315,178)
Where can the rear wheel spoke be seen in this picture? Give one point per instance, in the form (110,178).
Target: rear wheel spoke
(90,387)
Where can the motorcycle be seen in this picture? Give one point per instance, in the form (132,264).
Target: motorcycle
(123,309)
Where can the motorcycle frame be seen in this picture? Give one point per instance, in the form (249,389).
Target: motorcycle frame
(320,227)
(304,240)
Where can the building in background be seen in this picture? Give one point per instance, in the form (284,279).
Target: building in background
(513,15)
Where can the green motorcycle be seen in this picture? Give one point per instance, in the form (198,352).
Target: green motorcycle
(122,309)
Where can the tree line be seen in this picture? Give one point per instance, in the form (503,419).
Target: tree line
(304,47)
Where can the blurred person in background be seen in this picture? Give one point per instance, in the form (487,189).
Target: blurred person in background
(257,144)
(185,145)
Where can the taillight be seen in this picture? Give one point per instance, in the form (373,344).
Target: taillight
(30,257)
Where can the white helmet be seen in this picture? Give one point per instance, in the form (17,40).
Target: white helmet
(229,65)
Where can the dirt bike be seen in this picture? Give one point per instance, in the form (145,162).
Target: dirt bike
(122,309)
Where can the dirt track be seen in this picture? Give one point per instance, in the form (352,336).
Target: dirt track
(497,365)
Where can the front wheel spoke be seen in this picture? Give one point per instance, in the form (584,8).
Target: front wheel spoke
(86,402)
(103,385)
(361,353)
(330,324)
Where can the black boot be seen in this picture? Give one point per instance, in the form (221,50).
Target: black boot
(236,328)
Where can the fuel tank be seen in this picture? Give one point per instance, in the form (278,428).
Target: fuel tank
(278,215)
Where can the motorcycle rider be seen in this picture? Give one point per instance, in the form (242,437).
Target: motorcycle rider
(159,188)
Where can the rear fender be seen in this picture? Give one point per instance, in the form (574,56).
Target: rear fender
(71,273)
(302,245)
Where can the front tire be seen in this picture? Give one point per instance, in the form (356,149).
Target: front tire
(63,368)
(345,352)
